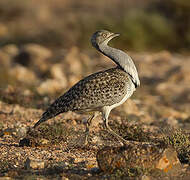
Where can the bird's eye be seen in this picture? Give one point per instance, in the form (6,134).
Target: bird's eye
(104,35)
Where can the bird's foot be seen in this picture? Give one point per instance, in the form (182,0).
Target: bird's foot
(121,139)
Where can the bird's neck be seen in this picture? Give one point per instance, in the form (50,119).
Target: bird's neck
(121,59)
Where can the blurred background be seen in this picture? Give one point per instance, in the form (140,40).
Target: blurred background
(145,25)
(45,49)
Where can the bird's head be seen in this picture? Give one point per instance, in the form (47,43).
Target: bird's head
(102,37)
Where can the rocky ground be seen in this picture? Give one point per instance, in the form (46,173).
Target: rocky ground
(156,119)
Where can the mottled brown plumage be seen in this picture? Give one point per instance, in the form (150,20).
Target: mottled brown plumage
(101,91)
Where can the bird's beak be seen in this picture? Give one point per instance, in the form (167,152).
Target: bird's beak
(111,37)
(114,35)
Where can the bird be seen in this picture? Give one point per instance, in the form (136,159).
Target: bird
(99,92)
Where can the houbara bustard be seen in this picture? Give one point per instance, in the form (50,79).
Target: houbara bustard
(101,91)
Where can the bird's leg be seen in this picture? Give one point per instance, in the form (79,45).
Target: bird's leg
(113,132)
(105,118)
(88,123)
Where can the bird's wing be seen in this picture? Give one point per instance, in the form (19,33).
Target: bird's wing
(101,89)
(95,91)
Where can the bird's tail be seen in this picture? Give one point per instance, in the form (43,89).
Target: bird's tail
(39,122)
(50,113)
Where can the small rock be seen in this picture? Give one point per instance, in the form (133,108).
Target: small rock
(145,177)
(138,155)
(73,61)
(37,50)
(27,92)
(10,49)
(78,160)
(23,74)
(21,131)
(34,164)
(50,86)
(57,73)
(168,161)
(44,141)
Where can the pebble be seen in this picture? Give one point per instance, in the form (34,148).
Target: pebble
(34,164)
(44,141)
(23,74)
(50,86)
(21,131)
(145,177)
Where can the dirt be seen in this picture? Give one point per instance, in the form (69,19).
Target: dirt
(157,112)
